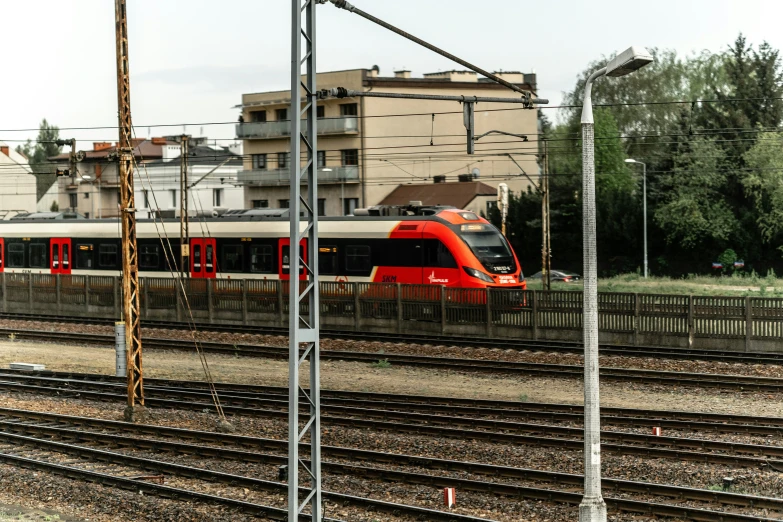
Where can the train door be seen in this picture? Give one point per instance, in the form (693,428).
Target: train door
(60,255)
(2,254)
(284,258)
(203,258)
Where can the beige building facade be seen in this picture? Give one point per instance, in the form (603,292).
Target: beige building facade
(370,146)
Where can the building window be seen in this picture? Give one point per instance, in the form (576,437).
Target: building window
(38,256)
(282,160)
(260,203)
(321,159)
(349,109)
(217,197)
(149,256)
(281,114)
(261,260)
(491,205)
(321,206)
(72,201)
(233,259)
(350,157)
(357,258)
(107,256)
(146,194)
(173,193)
(349,205)
(320,111)
(259,161)
(16,255)
(86,195)
(258,116)
(283,203)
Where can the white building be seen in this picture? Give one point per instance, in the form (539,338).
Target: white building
(17,183)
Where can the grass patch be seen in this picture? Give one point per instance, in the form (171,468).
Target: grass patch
(382,363)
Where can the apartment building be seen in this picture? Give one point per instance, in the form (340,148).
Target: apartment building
(93,190)
(367,147)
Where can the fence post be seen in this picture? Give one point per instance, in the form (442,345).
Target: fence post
(243,283)
(30,293)
(280,302)
(488,305)
(534,313)
(357,316)
(87,293)
(117,296)
(637,308)
(691,325)
(748,322)
(210,305)
(443,315)
(399,308)
(57,290)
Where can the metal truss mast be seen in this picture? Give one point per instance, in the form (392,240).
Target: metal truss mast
(303,269)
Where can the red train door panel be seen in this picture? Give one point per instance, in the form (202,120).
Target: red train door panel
(203,258)
(283,261)
(2,254)
(60,255)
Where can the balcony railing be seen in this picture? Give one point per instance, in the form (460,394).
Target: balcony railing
(280,129)
(345,174)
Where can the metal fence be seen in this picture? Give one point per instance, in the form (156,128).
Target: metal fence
(624,318)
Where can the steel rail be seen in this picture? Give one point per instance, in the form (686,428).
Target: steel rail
(734,382)
(124,459)
(468,342)
(495,488)
(393,421)
(725,423)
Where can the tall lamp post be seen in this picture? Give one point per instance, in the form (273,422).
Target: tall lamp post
(593,507)
(644,198)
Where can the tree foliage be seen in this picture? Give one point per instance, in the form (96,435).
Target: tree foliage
(38,155)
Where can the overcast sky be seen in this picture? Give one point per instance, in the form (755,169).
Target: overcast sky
(191,60)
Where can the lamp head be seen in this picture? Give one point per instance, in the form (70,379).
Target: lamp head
(629,160)
(628,61)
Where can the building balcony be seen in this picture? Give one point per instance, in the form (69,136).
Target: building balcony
(279,177)
(267,130)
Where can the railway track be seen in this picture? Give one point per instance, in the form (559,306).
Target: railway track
(43,430)
(468,342)
(401,421)
(625,375)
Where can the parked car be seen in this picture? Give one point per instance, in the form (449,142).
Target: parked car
(559,275)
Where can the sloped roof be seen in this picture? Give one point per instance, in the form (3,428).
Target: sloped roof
(458,194)
(142,149)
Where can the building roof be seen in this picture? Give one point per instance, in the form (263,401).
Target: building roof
(458,194)
(143,149)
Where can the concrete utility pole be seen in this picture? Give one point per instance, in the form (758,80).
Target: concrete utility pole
(130,258)
(184,233)
(303,215)
(593,507)
(546,240)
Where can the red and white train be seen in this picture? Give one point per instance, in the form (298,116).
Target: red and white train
(423,245)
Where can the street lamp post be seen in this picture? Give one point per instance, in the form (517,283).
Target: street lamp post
(593,507)
(644,198)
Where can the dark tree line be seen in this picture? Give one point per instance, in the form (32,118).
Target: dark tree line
(709,132)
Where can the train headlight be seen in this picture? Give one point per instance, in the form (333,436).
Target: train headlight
(478,274)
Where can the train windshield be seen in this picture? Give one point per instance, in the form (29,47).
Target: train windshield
(489,246)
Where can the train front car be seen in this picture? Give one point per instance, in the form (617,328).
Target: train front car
(483,255)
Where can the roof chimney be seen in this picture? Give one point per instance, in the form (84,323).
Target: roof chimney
(159,141)
(374,71)
(100,145)
(4,150)
(402,74)
(440,178)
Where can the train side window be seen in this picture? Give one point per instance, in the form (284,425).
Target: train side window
(286,259)
(357,258)
(107,256)
(261,259)
(66,256)
(436,254)
(197,258)
(208,259)
(38,256)
(150,256)
(16,255)
(56,256)
(84,256)
(327,260)
(233,258)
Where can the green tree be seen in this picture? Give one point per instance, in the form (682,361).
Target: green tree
(38,155)
(762,180)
